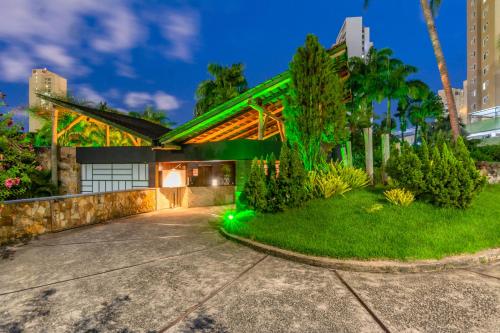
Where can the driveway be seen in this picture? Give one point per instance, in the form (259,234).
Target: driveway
(172,271)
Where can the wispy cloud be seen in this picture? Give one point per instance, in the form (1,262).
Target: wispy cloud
(70,34)
(159,99)
(181,28)
(88,93)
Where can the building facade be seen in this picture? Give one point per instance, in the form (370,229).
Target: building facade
(483,67)
(460,96)
(43,81)
(356,36)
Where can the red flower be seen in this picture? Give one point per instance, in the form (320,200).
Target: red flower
(17,180)
(9,182)
(39,168)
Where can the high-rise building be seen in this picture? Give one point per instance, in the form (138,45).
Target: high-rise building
(483,66)
(356,36)
(43,81)
(460,97)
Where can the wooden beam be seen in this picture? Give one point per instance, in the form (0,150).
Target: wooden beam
(231,132)
(70,126)
(107,136)
(134,142)
(54,159)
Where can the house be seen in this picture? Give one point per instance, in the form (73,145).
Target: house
(211,153)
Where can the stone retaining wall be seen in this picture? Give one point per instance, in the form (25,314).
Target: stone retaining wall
(37,216)
(68,168)
(29,217)
(491,170)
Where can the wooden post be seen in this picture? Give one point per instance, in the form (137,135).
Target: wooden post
(54,158)
(368,136)
(107,135)
(261,125)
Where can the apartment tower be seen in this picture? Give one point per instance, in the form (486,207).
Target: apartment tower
(483,54)
(356,36)
(43,81)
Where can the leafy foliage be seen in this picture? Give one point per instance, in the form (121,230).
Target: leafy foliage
(399,197)
(226,83)
(153,115)
(255,188)
(315,112)
(353,177)
(20,174)
(326,185)
(443,174)
(489,153)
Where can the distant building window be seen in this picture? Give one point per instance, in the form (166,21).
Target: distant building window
(485,99)
(474,92)
(485,85)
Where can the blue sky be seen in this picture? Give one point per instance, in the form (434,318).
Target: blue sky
(134,53)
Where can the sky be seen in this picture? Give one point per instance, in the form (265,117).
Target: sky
(137,53)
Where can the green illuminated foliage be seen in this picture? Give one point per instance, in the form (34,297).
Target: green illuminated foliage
(255,190)
(325,185)
(315,112)
(353,177)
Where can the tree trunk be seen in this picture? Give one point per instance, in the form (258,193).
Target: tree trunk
(386,147)
(368,136)
(349,153)
(388,119)
(452,109)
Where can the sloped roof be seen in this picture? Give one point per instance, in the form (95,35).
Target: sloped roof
(141,128)
(268,92)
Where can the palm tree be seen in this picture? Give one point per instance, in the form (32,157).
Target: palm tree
(226,83)
(153,115)
(429,8)
(427,105)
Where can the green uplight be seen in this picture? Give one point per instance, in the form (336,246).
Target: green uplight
(230,216)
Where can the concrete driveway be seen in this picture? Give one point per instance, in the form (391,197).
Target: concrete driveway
(172,271)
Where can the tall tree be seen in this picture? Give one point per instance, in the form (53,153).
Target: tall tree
(315,112)
(226,83)
(427,105)
(429,8)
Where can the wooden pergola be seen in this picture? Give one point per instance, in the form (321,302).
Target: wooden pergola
(256,114)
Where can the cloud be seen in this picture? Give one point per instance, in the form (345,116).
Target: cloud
(88,93)
(68,36)
(15,66)
(160,100)
(181,29)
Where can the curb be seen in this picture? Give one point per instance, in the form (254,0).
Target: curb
(375,266)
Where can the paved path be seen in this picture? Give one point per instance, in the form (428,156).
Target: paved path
(171,271)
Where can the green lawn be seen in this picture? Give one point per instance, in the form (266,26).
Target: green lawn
(343,227)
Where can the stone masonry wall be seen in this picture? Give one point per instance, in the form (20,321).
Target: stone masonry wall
(38,216)
(491,170)
(68,169)
(208,196)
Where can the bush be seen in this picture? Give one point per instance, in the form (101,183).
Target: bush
(489,153)
(20,174)
(325,185)
(353,177)
(255,190)
(399,197)
(443,175)
(292,179)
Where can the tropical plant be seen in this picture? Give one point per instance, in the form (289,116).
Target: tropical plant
(153,115)
(315,112)
(429,9)
(427,106)
(324,185)
(399,197)
(226,83)
(353,177)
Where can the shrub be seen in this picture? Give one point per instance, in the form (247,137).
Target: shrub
(353,177)
(255,188)
(292,179)
(399,197)
(326,185)
(444,175)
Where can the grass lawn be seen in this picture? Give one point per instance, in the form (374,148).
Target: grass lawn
(343,227)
